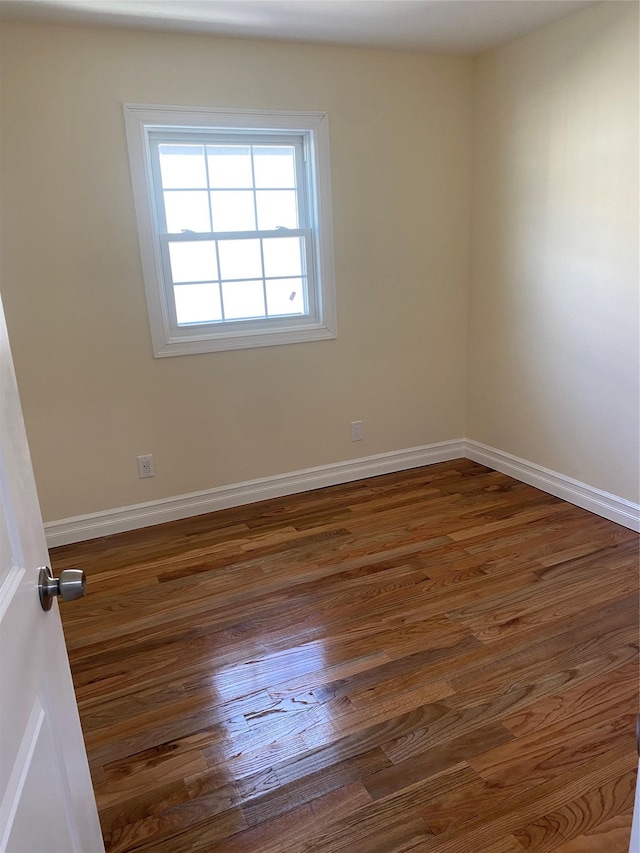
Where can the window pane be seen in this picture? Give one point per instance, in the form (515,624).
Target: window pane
(243,299)
(274,167)
(229,166)
(186,211)
(182,166)
(197,303)
(277,209)
(285,296)
(193,261)
(233,210)
(240,259)
(282,256)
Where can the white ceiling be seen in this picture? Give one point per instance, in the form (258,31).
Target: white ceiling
(426,26)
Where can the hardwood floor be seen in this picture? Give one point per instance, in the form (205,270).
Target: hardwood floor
(442,659)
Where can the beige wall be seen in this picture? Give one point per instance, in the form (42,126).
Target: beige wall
(93,395)
(553,316)
(553,361)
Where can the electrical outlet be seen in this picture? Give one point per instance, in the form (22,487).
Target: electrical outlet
(146,468)
(356,430)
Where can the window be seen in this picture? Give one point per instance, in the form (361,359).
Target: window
(234,221)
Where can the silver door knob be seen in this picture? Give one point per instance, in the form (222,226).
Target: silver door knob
(71,584)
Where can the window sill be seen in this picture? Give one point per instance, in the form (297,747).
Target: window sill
(238,340)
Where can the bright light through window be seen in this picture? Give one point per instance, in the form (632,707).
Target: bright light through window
(242,254)
(246,189)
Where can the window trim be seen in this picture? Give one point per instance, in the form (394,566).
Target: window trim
(141,121)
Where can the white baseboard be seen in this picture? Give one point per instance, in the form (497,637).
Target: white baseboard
(595,500)
(119,520)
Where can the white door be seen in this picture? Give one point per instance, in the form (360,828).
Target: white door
(634,844)
(46,799)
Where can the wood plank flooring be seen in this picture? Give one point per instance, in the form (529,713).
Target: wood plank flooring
(442,659)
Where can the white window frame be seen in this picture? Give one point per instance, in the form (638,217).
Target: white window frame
(141,123)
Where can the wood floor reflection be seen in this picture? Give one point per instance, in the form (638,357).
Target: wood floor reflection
(442,659)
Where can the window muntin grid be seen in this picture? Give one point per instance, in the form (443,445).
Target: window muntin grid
(234,230)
